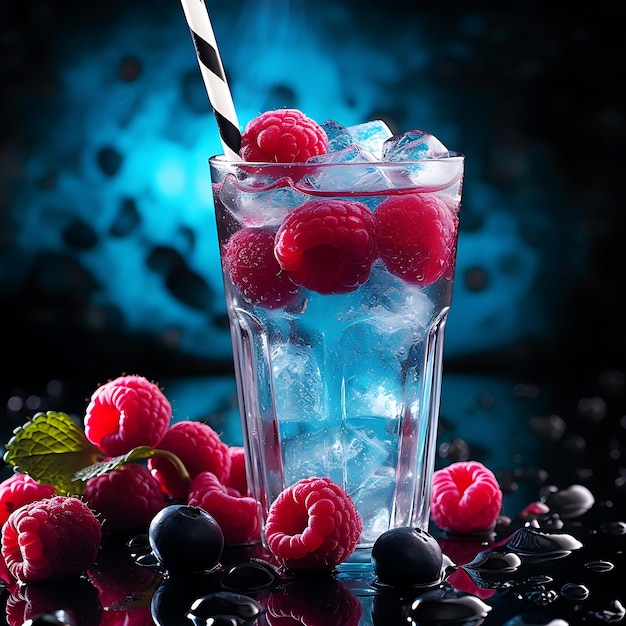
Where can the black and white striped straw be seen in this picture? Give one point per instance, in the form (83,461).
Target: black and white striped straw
(213,76)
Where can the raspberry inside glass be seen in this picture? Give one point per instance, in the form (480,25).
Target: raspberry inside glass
(416,237)
(252,267)
(328,246)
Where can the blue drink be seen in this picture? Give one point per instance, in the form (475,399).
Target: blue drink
(338,350)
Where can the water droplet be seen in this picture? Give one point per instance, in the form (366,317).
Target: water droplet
(570,502)
(540,579)
(600,566)
(251,576)
(494,561)
(542,597)
(575,592)
(447,606)
(530,542)
(223,604)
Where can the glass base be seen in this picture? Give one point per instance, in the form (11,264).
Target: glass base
(357,572)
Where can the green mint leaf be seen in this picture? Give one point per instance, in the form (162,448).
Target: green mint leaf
(102,467)
(51,448)
(136,454)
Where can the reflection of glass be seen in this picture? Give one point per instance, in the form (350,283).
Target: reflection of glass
(345,384)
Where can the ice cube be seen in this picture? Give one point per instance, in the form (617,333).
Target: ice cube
(365,449)
(265,206)
(338,136)
(413,145)
(297,384)
(358,176)
(373,499)
(350,154)
(348,454)
(371,136)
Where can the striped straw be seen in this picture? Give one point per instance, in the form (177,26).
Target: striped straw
(214,77)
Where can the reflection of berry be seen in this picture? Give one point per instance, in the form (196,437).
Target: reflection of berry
(199,448)
(21,489)
(52,538)
(328,245)
(316,601)
(126,498)
(237,515)
(416,237)
(282,136)
(237,478)
(466,498)
(252,267)
(76,597)
(313,525)
(127,412)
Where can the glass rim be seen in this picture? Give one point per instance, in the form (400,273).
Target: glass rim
(454,157)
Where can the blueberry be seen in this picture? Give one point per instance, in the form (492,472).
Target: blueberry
(186,539)
(407,557)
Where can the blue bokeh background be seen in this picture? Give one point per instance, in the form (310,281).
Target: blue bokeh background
(108,254)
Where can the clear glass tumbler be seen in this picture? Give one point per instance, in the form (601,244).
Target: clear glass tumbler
(338,280)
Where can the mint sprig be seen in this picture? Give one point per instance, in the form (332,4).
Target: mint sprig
(52,448)
(136,454)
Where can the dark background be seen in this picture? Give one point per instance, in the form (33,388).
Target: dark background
(108,261)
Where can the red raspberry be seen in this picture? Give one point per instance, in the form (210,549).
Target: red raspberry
(252,267)
(198,447)
(237,515)
(237,478)
(466,498)
(416,237)
(282,136)
(52,538)
(5,575)
(126,498)
(125,413)
(313,525)
(18,490)
(328,245)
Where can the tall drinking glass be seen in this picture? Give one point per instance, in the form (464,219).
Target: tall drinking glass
(338,280)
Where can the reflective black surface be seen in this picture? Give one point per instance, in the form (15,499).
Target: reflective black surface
(556,445)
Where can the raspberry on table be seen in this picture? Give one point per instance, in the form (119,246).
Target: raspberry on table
(237,515)
(198,447)
(52,538)
(126,498)
(125,413)
(466,498)
(328,246)
(313,524)
(416,237)
(250,263)
(282,136)
(20,489)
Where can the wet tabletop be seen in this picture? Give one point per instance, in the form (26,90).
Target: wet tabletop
(556,445)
